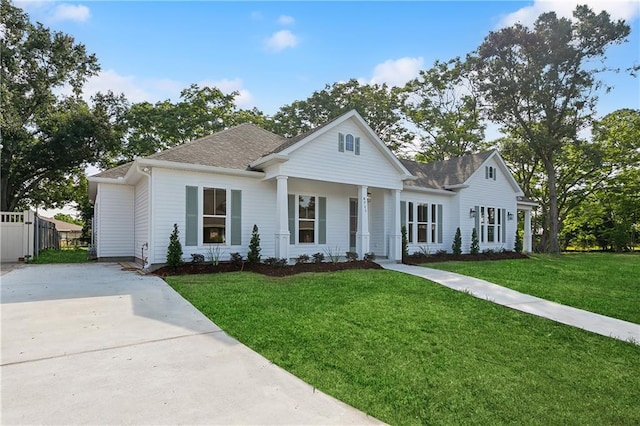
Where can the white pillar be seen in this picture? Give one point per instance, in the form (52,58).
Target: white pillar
(282,218)
(362,235)
(395,236)
(527,231)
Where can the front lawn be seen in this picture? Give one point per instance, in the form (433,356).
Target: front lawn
(71,255)
(408,351)
(605,283)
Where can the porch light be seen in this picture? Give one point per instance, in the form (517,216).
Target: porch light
(472,213)
(509,216)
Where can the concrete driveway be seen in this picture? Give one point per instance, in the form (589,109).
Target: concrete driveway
(92,344)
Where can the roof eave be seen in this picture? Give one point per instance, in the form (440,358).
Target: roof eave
(269,160)
(429,190)
(197,168)
(457,186)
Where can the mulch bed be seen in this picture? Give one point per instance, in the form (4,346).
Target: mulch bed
(261,268)
(418,258)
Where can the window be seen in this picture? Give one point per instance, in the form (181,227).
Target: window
(214,215)
(423,219)
(433,223)
(306,219)
(349,143)
(490,172)
(491,226)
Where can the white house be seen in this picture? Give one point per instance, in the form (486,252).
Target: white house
(336,188)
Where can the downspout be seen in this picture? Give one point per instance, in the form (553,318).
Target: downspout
(149,243)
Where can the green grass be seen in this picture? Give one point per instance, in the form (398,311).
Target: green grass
(408,351)
(75,255)
(605,283)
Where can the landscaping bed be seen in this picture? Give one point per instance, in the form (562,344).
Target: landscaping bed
(264,269)
(418,258)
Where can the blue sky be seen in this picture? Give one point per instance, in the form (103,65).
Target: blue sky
(274,53)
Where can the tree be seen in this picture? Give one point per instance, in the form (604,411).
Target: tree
(443,105)
(540,85)
(475,244)
(379,105)
(46,138)
(174,250)
(456,247)
(200,112)
(63,217)
(253,256)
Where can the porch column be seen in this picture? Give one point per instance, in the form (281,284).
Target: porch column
(526,240)
(362,235)
(395,236)
(282,218)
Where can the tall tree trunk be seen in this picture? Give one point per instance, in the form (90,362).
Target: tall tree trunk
(552,245)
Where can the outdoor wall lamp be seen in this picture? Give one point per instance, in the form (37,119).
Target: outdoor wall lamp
(472,213)
(509,216)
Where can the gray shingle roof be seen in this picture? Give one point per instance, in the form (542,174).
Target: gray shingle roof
(233,148)
(437,175)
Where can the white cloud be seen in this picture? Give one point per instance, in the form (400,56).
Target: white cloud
(618,9)
(286,20)
(69,12)
(49,11)
(281,40)
(396,72)
(111,80)
(243,100)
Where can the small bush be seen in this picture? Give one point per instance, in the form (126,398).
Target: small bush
(456,247)
(518,246)
(303,258)
(236,259)
(370,257)
(352,256)
(333,254)
(197,258)
(274,261)
(254,246)
(475,244)
(174,251)
(213,255)
(318,257)
(489,251)
(405,242)
(441,252)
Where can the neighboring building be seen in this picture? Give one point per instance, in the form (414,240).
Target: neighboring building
(70,233)
(337,187)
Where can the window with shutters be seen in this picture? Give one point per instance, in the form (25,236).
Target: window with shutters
(348,143)
(423,221)
(491,224)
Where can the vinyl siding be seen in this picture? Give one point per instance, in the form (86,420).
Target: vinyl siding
(320,160)
(492,193)
(141,219)
(115,221)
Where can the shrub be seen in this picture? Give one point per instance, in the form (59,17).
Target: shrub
(352,256)
(489,251)
(254,246)
(475,244)
(405,242)
(318,257)
(517,247)
(174,251)
(274,261)
(333,254)
(441,252)
(303,258)
(197,258)
(236,259)
(213,255)
(370,257)
(456,247)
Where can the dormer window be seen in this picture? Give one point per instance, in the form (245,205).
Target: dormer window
(490,172)
(348,143)
(348,146)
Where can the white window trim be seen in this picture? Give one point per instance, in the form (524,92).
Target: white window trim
(297,218)
(201,216)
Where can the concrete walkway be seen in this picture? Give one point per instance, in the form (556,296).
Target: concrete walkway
(596,323)
(92,344)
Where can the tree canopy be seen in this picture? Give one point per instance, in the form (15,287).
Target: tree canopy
(46,138)
(541,86)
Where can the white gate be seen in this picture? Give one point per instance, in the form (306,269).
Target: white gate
(17,235)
